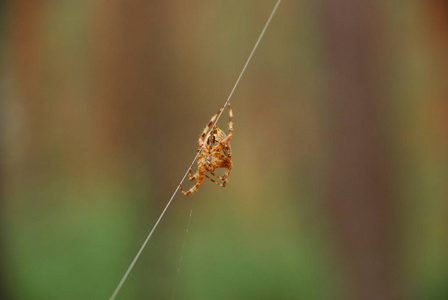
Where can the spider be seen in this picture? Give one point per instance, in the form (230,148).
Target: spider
(214,152)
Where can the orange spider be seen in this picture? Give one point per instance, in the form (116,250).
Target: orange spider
(214,152)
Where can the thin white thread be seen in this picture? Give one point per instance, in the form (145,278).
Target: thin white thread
(131,266)
(248,60)
(179,265)
(125,276)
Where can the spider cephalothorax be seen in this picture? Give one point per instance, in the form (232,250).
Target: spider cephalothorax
(214,152)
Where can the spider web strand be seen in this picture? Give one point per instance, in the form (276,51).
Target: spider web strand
(131,266)
(249,58)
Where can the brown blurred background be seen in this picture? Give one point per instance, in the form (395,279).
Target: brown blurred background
(340,181)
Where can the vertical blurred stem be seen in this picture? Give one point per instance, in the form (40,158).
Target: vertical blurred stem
(361,202)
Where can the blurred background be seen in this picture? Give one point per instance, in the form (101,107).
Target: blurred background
(340,181)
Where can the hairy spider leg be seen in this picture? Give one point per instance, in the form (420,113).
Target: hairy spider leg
(224,178)
(195,187)
(227,173)
(218,183)
(217,176)
(192,177)
(229,137)
(207,128)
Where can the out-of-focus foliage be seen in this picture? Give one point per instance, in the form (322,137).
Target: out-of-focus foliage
(101,106)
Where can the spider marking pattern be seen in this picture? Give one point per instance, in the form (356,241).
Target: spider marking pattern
(214,152)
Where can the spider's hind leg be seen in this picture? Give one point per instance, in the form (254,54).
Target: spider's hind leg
(215,182)
(225,177)
(217,176)
(194,188)
(192,177)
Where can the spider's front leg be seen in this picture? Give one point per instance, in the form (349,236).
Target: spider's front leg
(226,141)
(229,137)
(207,128)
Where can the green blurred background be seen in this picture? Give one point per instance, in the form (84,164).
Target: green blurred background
(340,181)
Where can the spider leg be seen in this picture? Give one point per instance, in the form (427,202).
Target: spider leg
(192,177)
(229,137)
(230,120)
(225,177)
(220,184)
(195,187)
(207,128)
(216,176)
